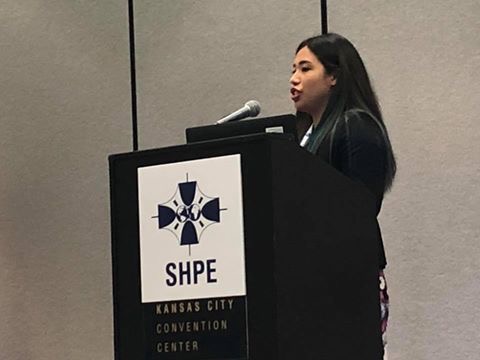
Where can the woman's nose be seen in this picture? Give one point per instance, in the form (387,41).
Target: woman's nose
(294,79)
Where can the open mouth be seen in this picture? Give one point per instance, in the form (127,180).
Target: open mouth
(294,94)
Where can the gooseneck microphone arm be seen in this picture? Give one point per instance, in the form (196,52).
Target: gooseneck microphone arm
(250,109)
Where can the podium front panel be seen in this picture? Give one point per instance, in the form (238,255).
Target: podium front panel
(182,269)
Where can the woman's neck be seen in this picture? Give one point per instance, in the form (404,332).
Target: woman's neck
(317,115)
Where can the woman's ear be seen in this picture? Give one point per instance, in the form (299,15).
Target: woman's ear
(333,80)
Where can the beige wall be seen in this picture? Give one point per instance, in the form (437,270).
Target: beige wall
(65,105)
(424,59)
(201,60)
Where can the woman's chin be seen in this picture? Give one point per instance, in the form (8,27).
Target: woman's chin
(298,106)
(302,109)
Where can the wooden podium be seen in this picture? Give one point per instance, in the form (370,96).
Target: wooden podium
(309,259)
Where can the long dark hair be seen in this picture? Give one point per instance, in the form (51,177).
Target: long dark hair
(352,91)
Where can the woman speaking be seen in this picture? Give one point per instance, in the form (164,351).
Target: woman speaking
(339,119)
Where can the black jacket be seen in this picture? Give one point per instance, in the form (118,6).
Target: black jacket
(356,147)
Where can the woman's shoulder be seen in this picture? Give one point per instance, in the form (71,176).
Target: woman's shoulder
(360,125)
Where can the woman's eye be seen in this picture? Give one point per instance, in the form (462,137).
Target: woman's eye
(305,69)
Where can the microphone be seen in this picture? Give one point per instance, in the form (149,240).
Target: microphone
(251,108)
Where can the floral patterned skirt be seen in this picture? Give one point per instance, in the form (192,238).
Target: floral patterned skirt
(384,305)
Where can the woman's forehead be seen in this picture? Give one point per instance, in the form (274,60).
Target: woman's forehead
(305,55)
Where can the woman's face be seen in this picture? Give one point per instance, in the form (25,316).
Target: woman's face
(310,83)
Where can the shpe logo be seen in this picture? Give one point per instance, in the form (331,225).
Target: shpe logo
(188,213)
(191,229)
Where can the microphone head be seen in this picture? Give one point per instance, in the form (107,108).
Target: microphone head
(253,108)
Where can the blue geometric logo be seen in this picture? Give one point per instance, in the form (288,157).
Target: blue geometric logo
(188,213)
